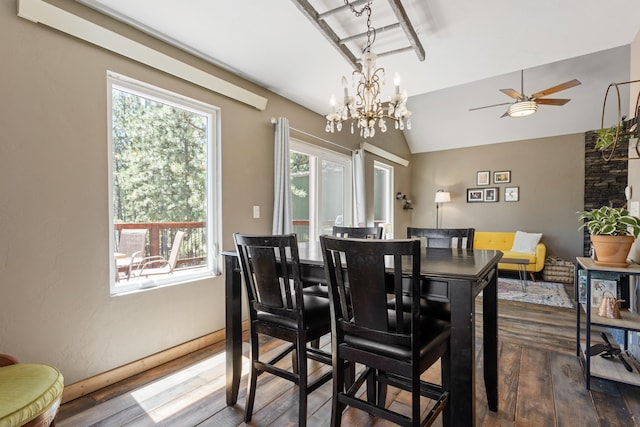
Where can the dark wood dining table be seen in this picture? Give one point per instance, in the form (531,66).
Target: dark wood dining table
(454,276)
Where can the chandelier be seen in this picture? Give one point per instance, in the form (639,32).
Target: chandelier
(365,108)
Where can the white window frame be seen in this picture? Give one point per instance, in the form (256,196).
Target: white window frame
(213,190)
(389,198)
(315,183)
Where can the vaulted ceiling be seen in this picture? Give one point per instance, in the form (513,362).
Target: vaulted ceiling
(472,49)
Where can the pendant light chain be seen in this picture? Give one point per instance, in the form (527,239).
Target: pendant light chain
(370,30)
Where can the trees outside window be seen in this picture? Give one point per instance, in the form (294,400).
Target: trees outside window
(163,149)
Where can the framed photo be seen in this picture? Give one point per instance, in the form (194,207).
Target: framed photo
(511,194)
(482,178)
(599,287)
(502,177)
(475,195)
(491,194)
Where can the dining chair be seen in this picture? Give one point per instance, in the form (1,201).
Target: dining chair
(278,308)
(358,232)
(443,237)
(131,249)
(351,232)
(437,238)
(394,345)
(157,264)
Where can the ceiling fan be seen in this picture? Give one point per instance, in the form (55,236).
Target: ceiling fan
(525,105)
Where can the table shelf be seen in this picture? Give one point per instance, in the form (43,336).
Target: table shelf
(611,369)
(629,321)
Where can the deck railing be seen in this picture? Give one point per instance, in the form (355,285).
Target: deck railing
(193,250)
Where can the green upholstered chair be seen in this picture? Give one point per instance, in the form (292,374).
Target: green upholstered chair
(30,394)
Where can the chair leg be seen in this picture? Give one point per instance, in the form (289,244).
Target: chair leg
(253,377)
(302,383)
(445,372)
(338,387)
(415,399)
(371,387)
(381,392)
(533,276)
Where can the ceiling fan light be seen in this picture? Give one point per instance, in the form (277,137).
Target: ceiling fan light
(522,109)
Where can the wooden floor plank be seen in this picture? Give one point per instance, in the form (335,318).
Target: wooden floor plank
(541,383)
(535,406)
(572,400)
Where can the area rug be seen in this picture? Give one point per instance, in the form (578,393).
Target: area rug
(538,292)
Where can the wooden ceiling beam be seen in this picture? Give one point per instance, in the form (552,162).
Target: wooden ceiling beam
(409,31)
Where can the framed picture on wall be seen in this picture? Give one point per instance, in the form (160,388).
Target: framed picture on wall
(475,195)
(482,178)
(502,177)
(511,194)
(491,194)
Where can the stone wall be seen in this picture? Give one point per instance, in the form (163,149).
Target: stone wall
(604,182)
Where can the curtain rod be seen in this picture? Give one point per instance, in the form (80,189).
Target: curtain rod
(274,121)
(363,146)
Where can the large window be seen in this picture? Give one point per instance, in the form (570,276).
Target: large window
(383,197)
(163,155)
(321,190)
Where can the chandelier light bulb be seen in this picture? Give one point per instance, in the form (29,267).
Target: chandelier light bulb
(396,82)
(345,86)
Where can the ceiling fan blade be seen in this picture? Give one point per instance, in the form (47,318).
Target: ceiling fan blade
(558,88)
(552,101)
(488,106)
(512,93)
(506,114)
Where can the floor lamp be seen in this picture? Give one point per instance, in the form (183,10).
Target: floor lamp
(441,197)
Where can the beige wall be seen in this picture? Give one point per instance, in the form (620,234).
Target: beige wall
(549,172)
(55,305)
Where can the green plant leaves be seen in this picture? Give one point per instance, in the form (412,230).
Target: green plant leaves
(610,221)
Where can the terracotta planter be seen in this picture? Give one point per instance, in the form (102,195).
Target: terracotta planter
(612,251)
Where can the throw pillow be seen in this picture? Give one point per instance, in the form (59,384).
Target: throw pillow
(526,242)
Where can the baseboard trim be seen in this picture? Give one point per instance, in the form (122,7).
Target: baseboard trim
(91,384)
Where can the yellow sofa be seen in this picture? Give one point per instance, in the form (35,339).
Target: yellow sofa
(503,241)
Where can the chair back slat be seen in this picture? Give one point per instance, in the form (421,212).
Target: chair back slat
(443,237)
(358,232)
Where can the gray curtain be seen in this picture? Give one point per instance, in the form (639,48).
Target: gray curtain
(359,208)
(282,223)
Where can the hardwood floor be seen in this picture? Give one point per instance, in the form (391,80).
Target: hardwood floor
(541,384)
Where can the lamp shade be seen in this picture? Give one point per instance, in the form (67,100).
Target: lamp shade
(443,196)
(522,108)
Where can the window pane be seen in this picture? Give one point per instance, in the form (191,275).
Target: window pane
(160,176)
(300,194)
(383,196)
(321,190)
(332,207)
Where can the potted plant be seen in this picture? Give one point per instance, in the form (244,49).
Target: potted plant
(613,231)
(606,137)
